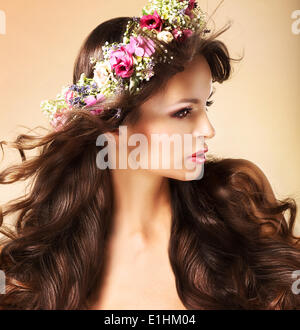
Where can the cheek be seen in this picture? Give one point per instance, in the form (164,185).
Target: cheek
(149,129)
(166,126)
(157,135)
(156,127)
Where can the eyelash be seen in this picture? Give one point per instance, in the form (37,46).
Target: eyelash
(189,109)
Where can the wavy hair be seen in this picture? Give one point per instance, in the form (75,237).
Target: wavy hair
(231,244)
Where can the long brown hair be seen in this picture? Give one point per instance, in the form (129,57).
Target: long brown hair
(230,247)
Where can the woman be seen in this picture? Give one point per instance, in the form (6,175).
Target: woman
(209,237)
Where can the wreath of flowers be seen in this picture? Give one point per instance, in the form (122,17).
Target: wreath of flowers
(125,65)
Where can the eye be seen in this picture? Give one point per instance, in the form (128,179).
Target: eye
(183,112)
(208,104)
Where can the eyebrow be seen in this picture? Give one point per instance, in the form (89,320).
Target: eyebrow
(194,100)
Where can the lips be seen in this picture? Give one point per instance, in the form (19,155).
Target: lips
(199,156)
(200,152)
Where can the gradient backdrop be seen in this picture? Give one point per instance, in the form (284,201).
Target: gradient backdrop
(255,114)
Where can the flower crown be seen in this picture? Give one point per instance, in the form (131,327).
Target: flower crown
(125,65)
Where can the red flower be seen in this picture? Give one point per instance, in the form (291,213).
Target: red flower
(152,22)
(189,8)
(192,4)
(182,35)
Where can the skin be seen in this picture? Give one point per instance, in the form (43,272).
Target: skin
(138,273)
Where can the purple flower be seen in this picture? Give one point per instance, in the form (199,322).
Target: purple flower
(75,100)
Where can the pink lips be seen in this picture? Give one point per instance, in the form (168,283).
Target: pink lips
(199,159)
(200,152)
(199,156)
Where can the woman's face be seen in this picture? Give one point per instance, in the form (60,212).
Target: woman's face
(178,111)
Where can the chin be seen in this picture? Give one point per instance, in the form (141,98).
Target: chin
(186,175)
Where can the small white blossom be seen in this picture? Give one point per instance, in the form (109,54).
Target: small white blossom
(165,36)
(101,73)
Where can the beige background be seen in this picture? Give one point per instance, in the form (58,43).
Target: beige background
(256,114)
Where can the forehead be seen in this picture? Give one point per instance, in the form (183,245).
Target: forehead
(194,82)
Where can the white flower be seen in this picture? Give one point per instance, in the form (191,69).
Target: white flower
(81,80)
(165,36)
(101,73)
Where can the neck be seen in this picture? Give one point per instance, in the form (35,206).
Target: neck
(142,204)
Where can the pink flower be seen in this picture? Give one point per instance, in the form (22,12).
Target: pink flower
(97,111)
(91,100)
(182,35)
(141,46)
(68,96)
(121,60)
(151,22)
(59,119)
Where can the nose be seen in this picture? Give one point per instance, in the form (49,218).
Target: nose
(203,127)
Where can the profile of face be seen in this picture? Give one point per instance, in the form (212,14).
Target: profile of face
(175,117)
